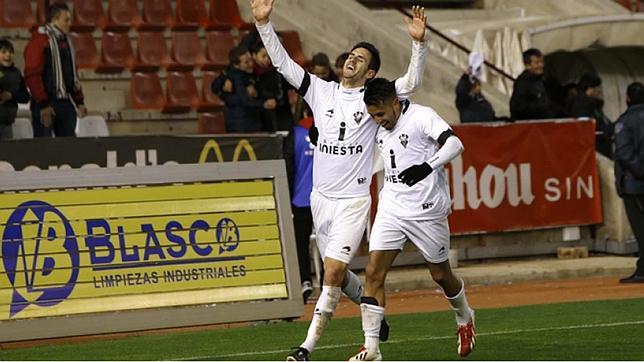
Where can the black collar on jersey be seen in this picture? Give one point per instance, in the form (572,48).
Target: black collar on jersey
(405,105)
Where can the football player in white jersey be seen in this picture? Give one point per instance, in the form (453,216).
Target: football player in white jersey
(415,143)
(343,158)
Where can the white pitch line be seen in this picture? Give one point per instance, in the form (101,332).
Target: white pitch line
(395,341)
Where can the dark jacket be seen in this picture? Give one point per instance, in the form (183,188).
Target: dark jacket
(529,99)
(472,108)
(39,73)
(585,106)
(271,84)
(629,151)
(11,80)
(241,111)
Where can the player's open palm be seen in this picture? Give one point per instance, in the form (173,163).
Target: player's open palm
(261,9)
(416,24)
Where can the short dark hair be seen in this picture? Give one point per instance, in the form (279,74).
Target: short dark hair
(55,9)
(374,64)
(635,93)
(6,44)
(528,54)
(236,53)
(256,47)
(379,90)
(321,59)
(341,59)
(588,81)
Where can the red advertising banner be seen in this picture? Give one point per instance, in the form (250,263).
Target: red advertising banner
(524,176)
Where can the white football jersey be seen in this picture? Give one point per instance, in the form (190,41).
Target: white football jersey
(343,159)
(411,142)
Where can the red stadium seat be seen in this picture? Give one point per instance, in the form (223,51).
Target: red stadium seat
(117,53)
(87,56)
(211,123)
(209,100)
(191,14)
(88,15)
(152,51)
(291,41)
(146,91)
(224,14)
(122,15)
(181,93)
(157,14)
(218,44)
(16,14)
(187,52)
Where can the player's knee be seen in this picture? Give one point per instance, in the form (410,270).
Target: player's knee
(439,276)
(334,275)
(374,276)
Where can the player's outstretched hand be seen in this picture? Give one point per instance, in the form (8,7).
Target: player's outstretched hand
(416,24)
(314,134)
(415,173)
(261,10)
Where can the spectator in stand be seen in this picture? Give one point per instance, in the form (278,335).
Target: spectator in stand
(629,169)
(322,67)
(236,87)
(570,93)
(51,76)
(529,100)
(589,103)
(12,89)
(271,85)
(339,64)
(470,102)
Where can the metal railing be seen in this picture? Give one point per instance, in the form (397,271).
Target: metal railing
(441,35)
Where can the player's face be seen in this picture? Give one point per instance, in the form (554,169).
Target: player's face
(386,113)
(356,67)
(63,21)
(262,59)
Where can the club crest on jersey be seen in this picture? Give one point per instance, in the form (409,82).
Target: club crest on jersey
(329,113)
(404,140)
(380,143)
(358,117)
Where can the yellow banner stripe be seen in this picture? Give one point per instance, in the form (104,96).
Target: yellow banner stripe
(59,276)
(132,225)
(155,208)
(63,259)
(202,239)
(137,286)
(140,194)
(153,300)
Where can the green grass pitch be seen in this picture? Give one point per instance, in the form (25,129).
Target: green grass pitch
(600,330)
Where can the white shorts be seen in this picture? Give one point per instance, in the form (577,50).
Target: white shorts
(431,237)
(339,225)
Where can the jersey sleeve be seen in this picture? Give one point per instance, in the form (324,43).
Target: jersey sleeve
(411,81)
(310,87)
(432,125)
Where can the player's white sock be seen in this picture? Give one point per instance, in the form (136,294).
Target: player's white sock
(372,316)
(460,306)
(353,289)
(324,309)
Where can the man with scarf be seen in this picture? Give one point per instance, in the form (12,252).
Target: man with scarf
(50,74)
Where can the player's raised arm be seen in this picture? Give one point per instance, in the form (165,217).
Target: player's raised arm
(411,81)
(291,71)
